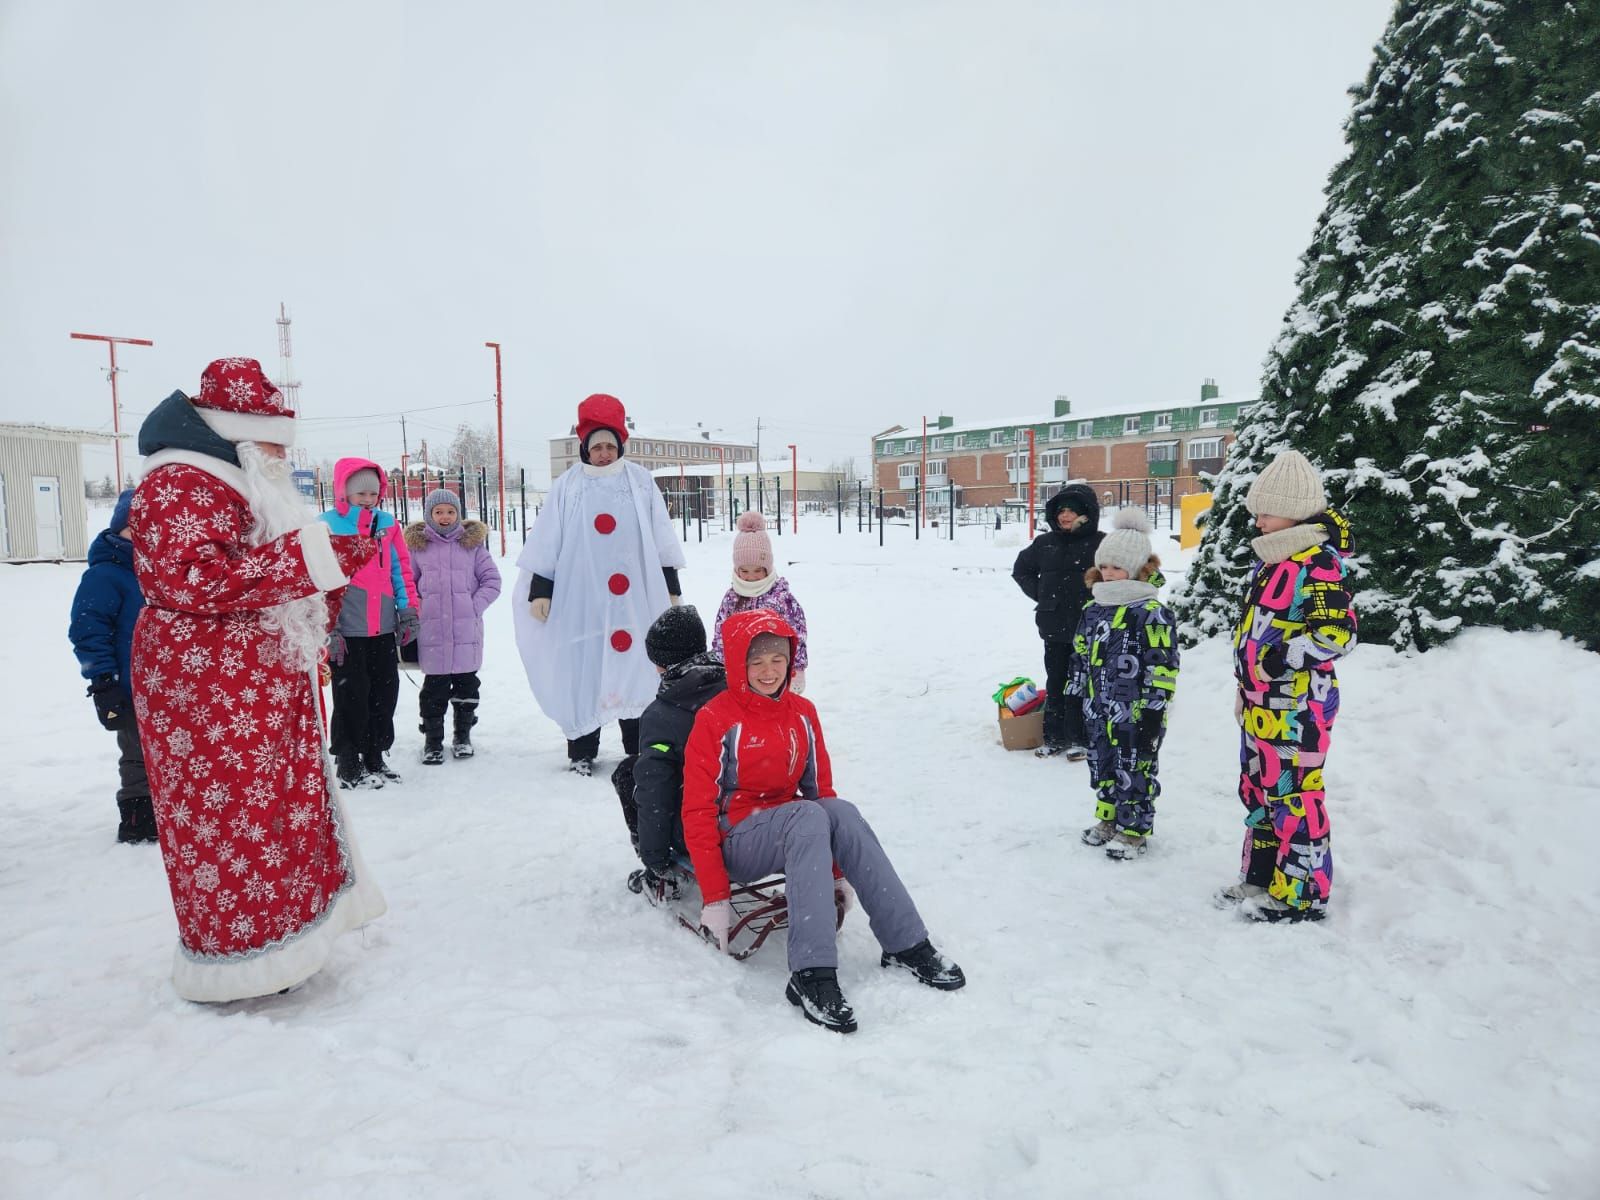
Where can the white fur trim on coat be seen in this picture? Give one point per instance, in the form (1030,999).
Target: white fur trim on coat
(322,564)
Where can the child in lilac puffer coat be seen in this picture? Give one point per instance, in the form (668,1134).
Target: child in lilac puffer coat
(456,580)
(757,585)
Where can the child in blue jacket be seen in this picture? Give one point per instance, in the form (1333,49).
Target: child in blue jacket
(377,611)
(103,614)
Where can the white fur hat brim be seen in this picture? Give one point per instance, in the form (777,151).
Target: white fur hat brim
(248,427)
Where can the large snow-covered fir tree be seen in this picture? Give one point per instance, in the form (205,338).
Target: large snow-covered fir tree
(1442,361)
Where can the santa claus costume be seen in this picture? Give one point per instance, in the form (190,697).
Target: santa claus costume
(601,563)
(234,566)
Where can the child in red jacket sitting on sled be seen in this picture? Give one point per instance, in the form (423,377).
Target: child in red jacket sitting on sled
(758,799)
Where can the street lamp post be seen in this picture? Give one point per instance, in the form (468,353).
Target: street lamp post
(116,409)
(500,440)
(1030,483)
(794,486)
(922,476)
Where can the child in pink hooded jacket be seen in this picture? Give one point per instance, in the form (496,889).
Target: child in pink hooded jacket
(379,609)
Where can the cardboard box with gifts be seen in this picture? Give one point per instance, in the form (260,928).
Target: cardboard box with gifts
(1021,710)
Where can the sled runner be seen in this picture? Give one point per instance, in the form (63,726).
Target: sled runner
(760,909)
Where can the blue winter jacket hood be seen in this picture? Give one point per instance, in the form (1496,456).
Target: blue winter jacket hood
(105,609)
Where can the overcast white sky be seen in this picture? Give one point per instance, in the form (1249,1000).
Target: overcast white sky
(834,215)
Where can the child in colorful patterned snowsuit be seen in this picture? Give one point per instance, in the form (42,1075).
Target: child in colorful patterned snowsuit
(757,585)
(1124,669)
(1297,620)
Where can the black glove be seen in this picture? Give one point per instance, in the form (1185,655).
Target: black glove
(1270,663)
(1151,727)
(112,704)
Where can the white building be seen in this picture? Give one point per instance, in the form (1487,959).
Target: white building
(42,514)
(660,446)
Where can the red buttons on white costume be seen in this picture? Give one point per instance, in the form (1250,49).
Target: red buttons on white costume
(618,584)
(605,523)
(621,640)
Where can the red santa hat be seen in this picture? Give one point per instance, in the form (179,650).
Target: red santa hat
(598,412)
(240,403)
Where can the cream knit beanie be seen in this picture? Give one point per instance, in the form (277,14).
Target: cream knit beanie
(1288,486)
(1128,544)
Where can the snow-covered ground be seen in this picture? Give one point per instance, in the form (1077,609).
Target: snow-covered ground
(520,1025)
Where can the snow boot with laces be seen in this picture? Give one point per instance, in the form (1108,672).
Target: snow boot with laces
(815,991)
(1237,893)
(432,740)
(1127,846)
(1099,833)
(928,965)
(461,739)
(374,764)
(581,766)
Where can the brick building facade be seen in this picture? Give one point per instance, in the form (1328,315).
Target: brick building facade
(1149,454)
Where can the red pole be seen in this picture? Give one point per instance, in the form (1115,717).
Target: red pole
(1030,483)
(794,485)
(500,440)
(922,478)
(116,409)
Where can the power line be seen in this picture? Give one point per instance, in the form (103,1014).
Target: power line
(396,412)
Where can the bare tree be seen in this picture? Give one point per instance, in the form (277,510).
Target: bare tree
(472,448)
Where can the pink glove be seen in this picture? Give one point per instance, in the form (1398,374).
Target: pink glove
(715,920)
(1238,708)
(797,682)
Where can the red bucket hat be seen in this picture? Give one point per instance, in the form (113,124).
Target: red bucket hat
(238,401)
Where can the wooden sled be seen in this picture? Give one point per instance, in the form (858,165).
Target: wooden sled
(760,909)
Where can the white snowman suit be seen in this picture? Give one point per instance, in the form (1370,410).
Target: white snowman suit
(603,536)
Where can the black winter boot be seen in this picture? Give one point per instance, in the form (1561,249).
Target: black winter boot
(461,739)
(928,965)
(432,740)
(138,822)
(353,775)
(373,762)
(815,991)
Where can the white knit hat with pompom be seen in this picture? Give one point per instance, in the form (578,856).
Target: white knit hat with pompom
(1128,544)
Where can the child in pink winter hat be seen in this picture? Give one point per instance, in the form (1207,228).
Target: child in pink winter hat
(757,585)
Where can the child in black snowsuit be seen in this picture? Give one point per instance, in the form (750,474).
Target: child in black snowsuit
(1124,672)
(1050,572)
(104,612)
(650,783)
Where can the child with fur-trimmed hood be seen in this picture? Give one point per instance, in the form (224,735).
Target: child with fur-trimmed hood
(1124,670)
(456,581)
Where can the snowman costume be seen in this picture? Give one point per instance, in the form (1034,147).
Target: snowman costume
(603,550)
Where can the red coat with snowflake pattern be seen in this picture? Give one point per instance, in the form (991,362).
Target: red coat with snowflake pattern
(233,738)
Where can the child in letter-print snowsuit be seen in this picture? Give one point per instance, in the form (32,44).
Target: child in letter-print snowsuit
(1124,669)
(1298,619)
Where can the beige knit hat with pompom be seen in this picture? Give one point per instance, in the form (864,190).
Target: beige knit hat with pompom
(1289,487)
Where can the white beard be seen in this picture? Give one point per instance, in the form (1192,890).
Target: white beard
(276,508)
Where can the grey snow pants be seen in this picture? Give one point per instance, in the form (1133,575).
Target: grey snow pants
(803,839)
